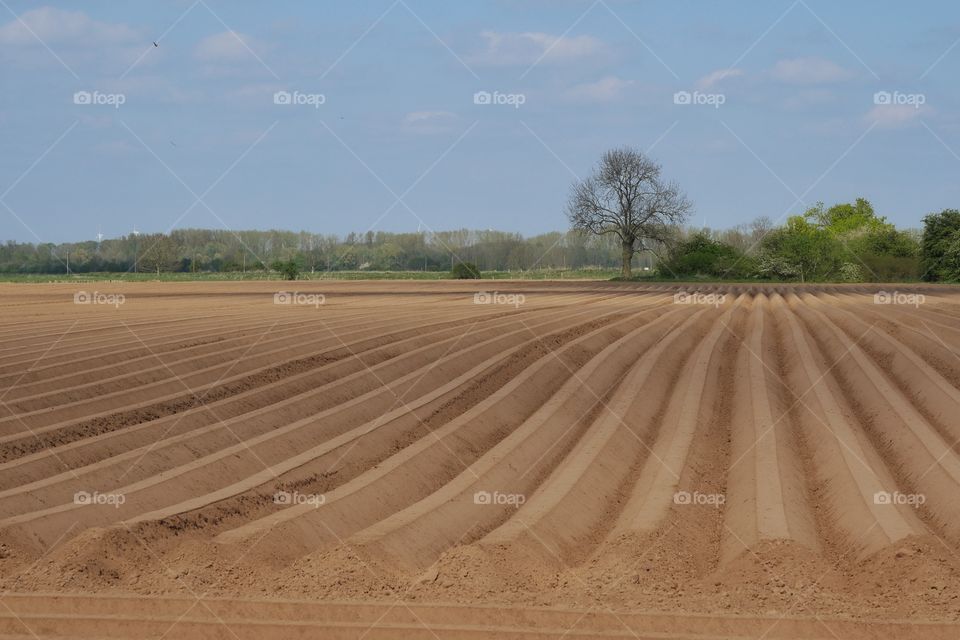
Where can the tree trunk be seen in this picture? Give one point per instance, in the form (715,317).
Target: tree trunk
(626,259)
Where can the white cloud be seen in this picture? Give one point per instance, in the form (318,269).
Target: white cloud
(57,26)
(429,121)
(714,77)
(76,40)
(809,71)
(603,90)
(504,49)
(895,116)
(227,46)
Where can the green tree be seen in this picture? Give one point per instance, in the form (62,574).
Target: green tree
(940,247)
(868,240)
(465,271)
(700,255)
(844,217)
(884,240)
(289,269)
(800,249)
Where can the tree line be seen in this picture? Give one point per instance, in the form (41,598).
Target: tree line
(626,198)
(845,242)
(205,250)
(623,214)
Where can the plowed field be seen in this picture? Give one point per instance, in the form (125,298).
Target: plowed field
(478,460)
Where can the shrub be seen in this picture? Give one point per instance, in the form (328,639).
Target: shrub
(465,271)
(800,249)
(884,240)
(892,268)
(703,256)
(850,272)
(940,249)
(289,269)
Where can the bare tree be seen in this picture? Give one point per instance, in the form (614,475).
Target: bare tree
(160,253)
(625,196)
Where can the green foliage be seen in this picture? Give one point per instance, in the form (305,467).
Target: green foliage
(866,239)
(221,251)
(288,268)
(845,217)
(231,276)
(940,248)
(882,268)
(882,240)
(465,271)
(847,241)
(850,272)
(702,256)
(799,250)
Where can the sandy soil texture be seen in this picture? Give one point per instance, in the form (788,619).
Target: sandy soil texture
(479,460)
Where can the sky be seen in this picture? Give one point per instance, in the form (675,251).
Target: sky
(398,115)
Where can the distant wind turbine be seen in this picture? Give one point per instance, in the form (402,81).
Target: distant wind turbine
(136,249)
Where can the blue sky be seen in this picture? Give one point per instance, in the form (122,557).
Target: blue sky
(782,110)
